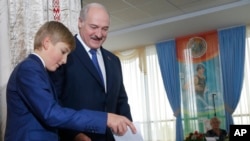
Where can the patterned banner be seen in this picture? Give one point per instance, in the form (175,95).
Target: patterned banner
(197,48)
(56,10)
(201,83)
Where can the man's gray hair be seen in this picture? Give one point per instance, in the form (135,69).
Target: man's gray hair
(85,9)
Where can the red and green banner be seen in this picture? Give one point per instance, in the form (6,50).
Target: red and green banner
(201,80)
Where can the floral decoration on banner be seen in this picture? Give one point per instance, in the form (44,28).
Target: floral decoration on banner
(195,136)
(56,10)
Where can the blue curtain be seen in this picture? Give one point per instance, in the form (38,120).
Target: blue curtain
(166,52)
(232,53)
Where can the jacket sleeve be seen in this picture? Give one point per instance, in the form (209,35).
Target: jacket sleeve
(36,89)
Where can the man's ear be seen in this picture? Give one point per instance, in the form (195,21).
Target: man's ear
(80,22)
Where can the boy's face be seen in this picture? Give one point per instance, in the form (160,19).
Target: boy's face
(56,55)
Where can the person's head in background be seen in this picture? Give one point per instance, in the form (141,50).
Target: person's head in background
(53,42)
(215,123)
(93,24)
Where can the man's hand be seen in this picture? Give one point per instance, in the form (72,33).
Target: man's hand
(119,124)
(81,137)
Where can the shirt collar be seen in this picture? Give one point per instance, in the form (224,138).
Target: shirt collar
(39,58)
(87,48)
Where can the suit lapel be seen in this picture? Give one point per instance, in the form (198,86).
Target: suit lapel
(108,67)
(34,57)
(53,87)
(85,60)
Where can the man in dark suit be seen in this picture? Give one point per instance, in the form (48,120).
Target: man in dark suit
(82,85)
(33,112)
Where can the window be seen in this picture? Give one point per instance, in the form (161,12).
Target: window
(147,96)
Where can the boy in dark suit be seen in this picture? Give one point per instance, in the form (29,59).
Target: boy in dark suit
(33,112)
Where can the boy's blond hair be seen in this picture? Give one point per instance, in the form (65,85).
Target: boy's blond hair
(57,32)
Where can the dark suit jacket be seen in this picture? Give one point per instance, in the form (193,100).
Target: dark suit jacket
(33,112)
(221,137)
(82,87)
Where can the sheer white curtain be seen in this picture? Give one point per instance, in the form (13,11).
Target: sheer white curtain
(147,97)
(242,112)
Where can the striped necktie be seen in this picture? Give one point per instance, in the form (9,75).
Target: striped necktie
(95,62)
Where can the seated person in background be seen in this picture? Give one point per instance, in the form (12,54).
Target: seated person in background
(216,131)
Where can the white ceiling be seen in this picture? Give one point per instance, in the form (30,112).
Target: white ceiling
(137,23)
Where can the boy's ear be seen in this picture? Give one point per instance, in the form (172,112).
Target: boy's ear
(46,42)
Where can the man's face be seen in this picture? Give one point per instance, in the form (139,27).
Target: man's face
(94,28)
(215,124)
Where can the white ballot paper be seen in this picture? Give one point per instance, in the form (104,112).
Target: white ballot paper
(210,139)
(129,136)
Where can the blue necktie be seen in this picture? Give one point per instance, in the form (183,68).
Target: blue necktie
(95,62)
